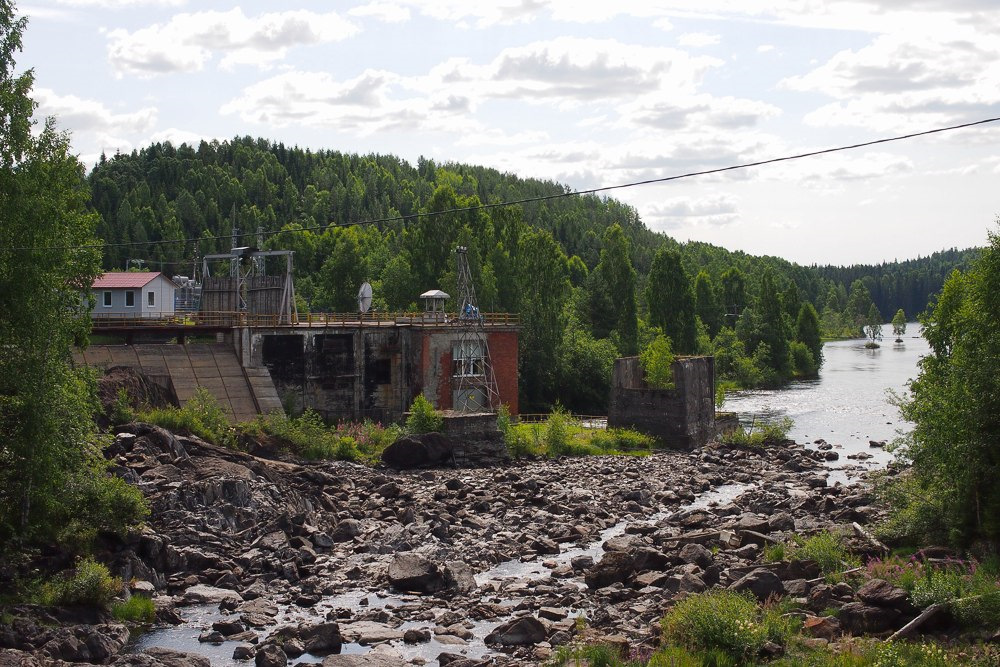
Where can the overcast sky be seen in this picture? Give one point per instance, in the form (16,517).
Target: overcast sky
(585,93)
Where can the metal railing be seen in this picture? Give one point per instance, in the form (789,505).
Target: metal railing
(219,320)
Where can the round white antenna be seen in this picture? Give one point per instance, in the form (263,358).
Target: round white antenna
(364,297)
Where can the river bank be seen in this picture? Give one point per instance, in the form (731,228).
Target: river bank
(495,565)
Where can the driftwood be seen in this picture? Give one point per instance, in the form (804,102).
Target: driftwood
(842,574)
(907,630)
(864,534)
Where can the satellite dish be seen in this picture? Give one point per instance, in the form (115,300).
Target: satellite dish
(364,297)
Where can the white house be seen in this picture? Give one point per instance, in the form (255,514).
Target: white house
(148,294)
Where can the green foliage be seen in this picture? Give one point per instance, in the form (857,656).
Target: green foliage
(807,332)
(137,609)
(47,448)
(724,621)
(423,418)
(584,368)
(201,416)
(121,409)
(557,437)
(803,362)
(615,277)
(621,440)
(89,583)
(768,433)
(828,550)
(899,323)
(954,403)
(873,324)
(657,361)
(309,437)
(670,299)
(594,655)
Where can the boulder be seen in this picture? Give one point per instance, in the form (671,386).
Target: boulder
(459,576)
(860,618)
(522,631)
(696,554)
(881,593)
(413,573)
(414,451)
(762,582)
(270,655)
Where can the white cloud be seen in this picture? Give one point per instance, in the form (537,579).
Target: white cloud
(120,4)
(698,39)
(765,48)
(188,41)
(906,82)
(84,115)
(713,210)
(387,12)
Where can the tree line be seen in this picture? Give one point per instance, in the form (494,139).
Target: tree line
(590,281)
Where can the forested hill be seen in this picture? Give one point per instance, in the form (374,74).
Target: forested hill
(588,277)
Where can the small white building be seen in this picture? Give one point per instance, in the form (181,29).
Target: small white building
(128,295)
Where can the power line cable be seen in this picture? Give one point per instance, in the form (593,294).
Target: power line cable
(528,200)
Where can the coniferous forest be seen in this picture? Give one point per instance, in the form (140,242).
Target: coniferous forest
(590,281)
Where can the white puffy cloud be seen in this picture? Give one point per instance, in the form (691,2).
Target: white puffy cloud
(713,210)
(906,82)
(698,39)
(188,41)
(84,115)
(387,12)
(120,4)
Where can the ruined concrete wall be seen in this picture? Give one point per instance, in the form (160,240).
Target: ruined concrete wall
(681,417)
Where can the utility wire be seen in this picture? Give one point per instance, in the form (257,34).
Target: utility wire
(529,200)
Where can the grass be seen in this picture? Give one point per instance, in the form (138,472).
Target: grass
(827,549)
(201,416)
(758,436)
(137,609)
(89,584)
(562,435)
(728,627)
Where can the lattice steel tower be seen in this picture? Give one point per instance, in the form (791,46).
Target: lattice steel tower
(476,385)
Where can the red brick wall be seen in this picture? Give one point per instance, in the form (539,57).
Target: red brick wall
(503,354)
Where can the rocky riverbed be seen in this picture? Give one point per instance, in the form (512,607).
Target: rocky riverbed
(253,560)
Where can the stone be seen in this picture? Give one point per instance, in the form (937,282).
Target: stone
(415,636)
(322,638)
(519,632)
(762,582)
(346,530)
(881,593)
(823,627)
(861,618)
(209,594)
(459,576)
(412,572)
(697,554)
(243,652)
(418,450)
(270,655)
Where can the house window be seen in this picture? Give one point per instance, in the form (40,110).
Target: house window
(107,299)
(130,299)
(150,298)
(467,359)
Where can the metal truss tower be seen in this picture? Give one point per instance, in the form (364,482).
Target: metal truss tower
(476,383)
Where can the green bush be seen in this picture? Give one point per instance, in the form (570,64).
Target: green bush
(201,416)
(657,361)
(557,437)
(803,362)
(90,583)
(423,417)
(621,440)
(726,622)
(770,433)
(829,552)
(121,409)
(137,609)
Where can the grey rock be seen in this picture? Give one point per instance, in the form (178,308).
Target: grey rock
(762,582)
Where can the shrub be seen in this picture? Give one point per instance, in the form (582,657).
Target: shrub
(557,439)
(201,416)
(657,361)
(770,433)
(90,583)
(829,552)
(121,409)
(803,362)
(137,609)
(621,440)
(423,417)
(719,620)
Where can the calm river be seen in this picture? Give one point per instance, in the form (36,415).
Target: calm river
(849,404)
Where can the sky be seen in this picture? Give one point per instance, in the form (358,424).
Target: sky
(589,94)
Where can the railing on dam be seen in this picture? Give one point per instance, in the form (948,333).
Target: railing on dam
(223,320)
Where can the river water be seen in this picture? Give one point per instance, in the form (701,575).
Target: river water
(849,404)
